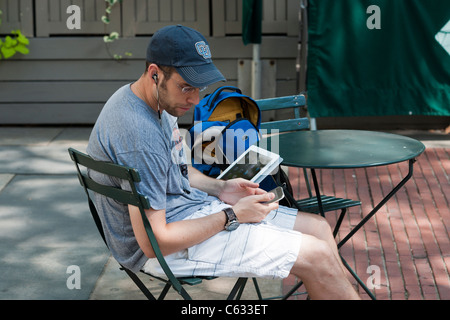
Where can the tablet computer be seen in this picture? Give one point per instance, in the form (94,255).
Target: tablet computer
(254,165)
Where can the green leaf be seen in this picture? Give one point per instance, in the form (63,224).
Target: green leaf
(111,38)
(105,20)
(22,49)
(13,44)
(10,42)
(7,52)
(21,38)
(114,35)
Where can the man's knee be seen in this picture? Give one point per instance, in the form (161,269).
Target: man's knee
(315,256)
(323,227)
(313,224)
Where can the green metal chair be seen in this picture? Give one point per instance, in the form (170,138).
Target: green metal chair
(140,201)
(310,204)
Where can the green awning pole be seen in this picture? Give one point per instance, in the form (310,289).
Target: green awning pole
(251,33)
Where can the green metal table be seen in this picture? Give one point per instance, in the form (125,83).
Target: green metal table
(345,149)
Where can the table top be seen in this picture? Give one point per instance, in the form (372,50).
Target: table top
(333,149)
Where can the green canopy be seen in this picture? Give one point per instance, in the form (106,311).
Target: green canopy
(378,57)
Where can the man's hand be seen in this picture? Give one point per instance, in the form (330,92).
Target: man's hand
(252,209)
(234,190)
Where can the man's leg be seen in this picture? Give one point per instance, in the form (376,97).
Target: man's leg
(318,263)
(317,226)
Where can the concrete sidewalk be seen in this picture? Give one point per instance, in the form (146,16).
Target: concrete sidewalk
(45,224)
(46,227)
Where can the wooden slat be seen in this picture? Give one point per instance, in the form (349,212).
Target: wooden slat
(160,13)
(49,113)
(51,17)
(152,10)
(286,125)
(293,8)
(282,102)
(275,16)
(190,12)
(93,48)
(292,104)
(286,87)
(58,91)
(165,11)
(79,70)
(17,14)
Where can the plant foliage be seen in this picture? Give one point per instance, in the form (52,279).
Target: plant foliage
(16,42)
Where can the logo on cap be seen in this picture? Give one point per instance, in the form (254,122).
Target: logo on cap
(203,49)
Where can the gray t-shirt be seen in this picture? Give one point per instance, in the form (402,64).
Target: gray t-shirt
(130,133)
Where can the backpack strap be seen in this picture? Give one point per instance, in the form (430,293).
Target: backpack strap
(213,97)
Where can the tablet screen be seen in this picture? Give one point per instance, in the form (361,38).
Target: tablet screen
(248,167)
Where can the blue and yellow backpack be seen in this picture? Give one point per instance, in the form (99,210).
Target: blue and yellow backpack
(226,123)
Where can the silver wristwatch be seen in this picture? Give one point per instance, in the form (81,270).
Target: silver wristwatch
(232,221)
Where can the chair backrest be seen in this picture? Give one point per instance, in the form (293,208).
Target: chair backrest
(126,197)
(113,170)
(294,102)
(296,123)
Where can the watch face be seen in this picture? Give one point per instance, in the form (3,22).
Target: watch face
(233,225)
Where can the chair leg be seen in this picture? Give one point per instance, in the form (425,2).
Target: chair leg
(241,290)
(239,286)
(163,293)
(292,291)
(258,291)
(360,282)
(339,222)
(139,283)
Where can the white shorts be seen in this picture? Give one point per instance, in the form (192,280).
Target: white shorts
(264,250)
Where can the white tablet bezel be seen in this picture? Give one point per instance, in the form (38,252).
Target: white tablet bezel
(275,160)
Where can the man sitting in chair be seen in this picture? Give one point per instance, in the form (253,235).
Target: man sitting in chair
(204,226)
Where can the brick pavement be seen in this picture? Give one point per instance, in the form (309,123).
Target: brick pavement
(407,243)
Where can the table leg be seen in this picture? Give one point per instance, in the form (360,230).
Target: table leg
(316,189)
(363,221)
(382,203)
(356,277)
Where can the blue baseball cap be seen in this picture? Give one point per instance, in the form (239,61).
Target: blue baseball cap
(187,51)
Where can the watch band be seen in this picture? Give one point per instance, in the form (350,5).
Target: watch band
(229,212)
(232,222)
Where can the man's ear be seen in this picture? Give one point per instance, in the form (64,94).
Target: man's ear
(152,70)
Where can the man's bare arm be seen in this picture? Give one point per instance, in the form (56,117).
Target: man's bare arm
(175,236)
(205,183)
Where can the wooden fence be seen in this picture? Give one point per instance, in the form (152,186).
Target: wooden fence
(70,73)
